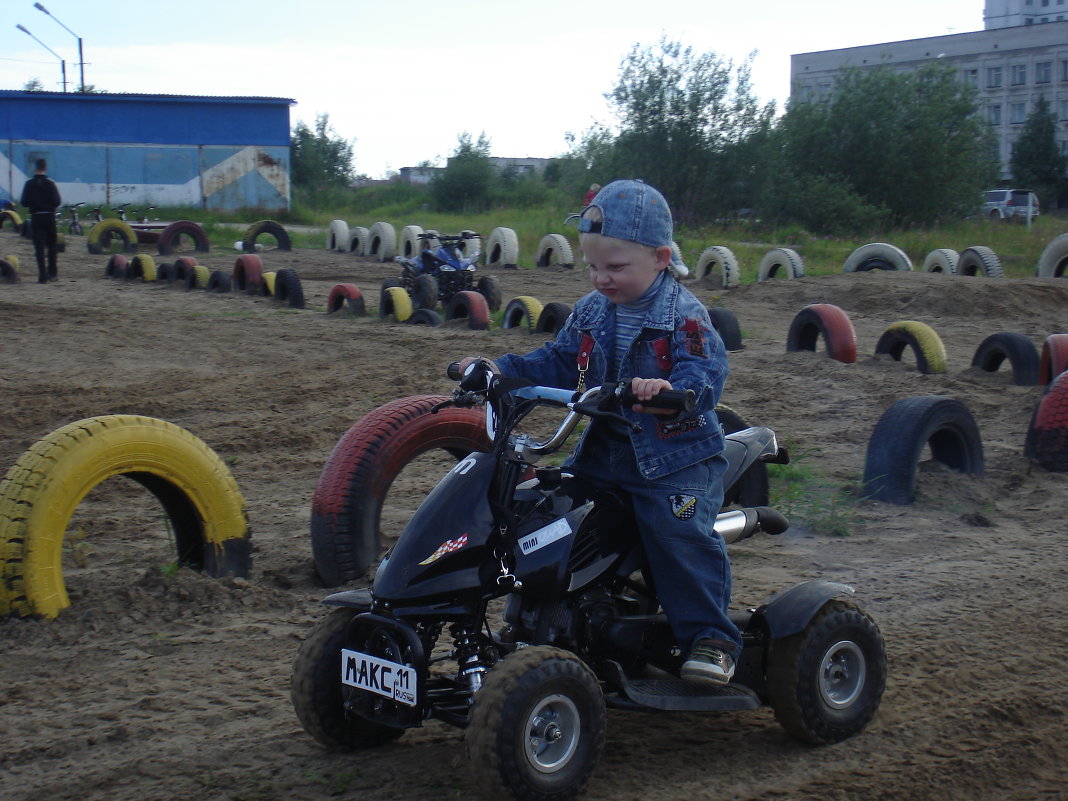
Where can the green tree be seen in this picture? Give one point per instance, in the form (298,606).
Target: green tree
(1037,162)
(684,120)
(319,159)
(912,147)
(33,85)
(465,183)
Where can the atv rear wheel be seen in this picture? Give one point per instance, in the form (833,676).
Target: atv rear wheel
(825,683)
(537,727)
(316,690)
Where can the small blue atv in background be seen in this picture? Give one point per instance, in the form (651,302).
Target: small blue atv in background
(436,273)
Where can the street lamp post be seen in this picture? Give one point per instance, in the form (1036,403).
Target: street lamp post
(62,61)
(81,60)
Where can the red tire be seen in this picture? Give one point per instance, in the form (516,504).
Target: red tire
(170,236)
(1054,359)
(247,274)
(183,265)
(116,266)
(471,305)
(1047,436)
(826,321)
(346,295)
(347,504)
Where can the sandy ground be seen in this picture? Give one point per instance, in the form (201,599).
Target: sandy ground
(156,687)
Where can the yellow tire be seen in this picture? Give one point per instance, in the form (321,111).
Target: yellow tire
(13,260)
(142,266)
(522,311)
(101,234)
(397,302)
(44,487)
(12,216)
(203,276)
(920,338)
(267,287)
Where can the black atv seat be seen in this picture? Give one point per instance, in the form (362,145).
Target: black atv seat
(744,447)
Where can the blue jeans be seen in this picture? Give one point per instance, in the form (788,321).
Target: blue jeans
(675,515)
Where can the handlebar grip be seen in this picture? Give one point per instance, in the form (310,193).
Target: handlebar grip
(453,371)
(679,400)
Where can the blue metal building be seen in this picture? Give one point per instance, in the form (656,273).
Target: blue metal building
(159,150)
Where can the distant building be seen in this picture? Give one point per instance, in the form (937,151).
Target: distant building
(160,150)
(420,176)
(1020,57)
(520,166)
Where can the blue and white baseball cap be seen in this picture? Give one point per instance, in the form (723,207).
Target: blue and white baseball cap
(636,212)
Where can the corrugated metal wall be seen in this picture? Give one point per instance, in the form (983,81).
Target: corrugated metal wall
(215,153)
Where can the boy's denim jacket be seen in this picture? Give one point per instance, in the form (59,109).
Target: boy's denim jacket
(677,342)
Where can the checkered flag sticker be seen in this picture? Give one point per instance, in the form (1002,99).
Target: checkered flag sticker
(448,547)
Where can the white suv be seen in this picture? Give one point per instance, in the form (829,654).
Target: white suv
(1009,204)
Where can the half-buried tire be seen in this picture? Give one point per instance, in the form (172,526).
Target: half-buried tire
(899,438)
(823,321)
(44,487)
(1018,349)
(347,504)
(469,305)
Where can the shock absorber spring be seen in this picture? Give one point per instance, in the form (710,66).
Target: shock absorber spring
(468,654)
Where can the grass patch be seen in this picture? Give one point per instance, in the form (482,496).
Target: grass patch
(809,498)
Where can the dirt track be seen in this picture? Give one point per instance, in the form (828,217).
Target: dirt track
(155,687)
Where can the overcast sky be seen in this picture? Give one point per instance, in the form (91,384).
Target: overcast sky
(404,78)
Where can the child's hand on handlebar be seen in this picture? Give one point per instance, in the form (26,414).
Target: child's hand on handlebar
(645,389)
(467,361)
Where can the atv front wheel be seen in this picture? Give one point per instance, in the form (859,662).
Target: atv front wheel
(425,292)
(537,727)
(316,690)
(825,683)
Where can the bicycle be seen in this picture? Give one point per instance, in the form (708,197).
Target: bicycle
(144,215)
(121,211)
(73,225)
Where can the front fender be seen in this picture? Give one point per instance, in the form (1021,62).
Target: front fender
(789,611)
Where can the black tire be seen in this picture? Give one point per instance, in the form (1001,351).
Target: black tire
(171,236)
(287,288)
(425,292)
(825,683)
(1018,349)
(425,317)
(724,321)
(166,274)
(347,503)
(488,287)
(537,726)
(552,318)
(269,227)
(752,487)
(315,690)
(943,423)
(219,281)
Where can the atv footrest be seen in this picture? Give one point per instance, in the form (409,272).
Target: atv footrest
(679,695)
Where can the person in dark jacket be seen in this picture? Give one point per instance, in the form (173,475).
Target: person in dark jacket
(41,197)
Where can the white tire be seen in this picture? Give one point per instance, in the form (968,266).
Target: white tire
(721,258)
(382,241)
(1053,263)
(410,245)
(554,251)
(877,256)
(979,260)
(502,248)
(337,237)
(471,248)
(788,261)
(942,260)
(358,237)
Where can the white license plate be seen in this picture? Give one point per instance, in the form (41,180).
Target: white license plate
(390,679)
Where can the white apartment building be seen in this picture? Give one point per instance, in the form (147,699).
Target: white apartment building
(1022,55)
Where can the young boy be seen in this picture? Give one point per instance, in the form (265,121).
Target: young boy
(641,325)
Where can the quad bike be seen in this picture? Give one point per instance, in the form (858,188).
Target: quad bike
(581,628)
(436,274)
